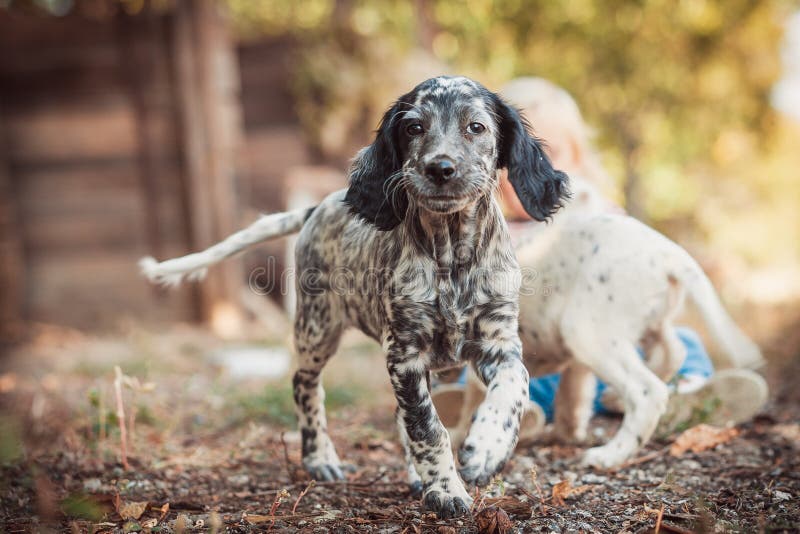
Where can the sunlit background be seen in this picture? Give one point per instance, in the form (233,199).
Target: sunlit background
(156,127)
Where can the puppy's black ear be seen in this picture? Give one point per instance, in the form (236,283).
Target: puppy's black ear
(541,189)
(374,194)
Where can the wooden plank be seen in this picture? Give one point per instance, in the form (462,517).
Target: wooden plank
(88,232)
(92,204)
(137,40)
(96,291)
(81,208)
(87,145)
(35,88)
(49,184)
(207,93)
(71,132)
(265,67)
(24,32)
(84,129)
(270,154)
(12,262)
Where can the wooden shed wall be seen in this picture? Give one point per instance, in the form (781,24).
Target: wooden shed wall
(94,160)
(73,150)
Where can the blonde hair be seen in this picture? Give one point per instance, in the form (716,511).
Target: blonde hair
(555,118)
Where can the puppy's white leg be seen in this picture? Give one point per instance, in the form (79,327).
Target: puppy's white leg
(643,395)
(574,403)
(316,340)
(667,354)
(495,428)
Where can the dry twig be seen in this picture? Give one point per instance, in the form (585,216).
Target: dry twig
(302,494)
(658,520)
(123,435)
(279,497)
(539,494)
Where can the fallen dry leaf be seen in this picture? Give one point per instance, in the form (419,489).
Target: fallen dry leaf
(512,506)
(493,520)
(564,490)
(701,438)
(131,510)
(150,523)
(255,519)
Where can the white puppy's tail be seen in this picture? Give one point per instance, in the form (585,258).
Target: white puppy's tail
(740,349)
(194,266)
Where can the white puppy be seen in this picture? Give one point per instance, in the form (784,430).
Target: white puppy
(596,286)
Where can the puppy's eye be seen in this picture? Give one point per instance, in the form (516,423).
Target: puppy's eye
(476,128)
(414,129)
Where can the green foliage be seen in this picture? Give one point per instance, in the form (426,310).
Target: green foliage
(275,404)
(80,506)
(11,449)
(663,80)
(677,90)
(278,16)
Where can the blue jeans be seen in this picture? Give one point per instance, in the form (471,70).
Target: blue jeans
(542,389)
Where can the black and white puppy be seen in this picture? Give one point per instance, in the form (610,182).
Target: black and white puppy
(416,254)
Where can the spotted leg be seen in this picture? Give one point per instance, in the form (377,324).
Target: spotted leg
(495,428)
(316,340)
(414,480)
(428,444)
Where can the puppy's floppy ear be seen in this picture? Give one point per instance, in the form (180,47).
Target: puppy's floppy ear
(372,194)
(541,189)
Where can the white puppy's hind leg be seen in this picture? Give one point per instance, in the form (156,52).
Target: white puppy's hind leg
(667,354)
(574,403)
(643,395)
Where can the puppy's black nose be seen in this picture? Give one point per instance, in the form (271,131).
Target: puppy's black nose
(440,170)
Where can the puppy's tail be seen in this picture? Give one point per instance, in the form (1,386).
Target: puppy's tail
(740,349)
(194,266)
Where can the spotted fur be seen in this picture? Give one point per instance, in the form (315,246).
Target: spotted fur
(595,287)
(416,254)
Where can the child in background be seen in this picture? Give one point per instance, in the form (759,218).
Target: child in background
(701,395)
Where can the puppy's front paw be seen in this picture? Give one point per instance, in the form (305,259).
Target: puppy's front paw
(325,472)
(325,469)
(483,457)
(446,505)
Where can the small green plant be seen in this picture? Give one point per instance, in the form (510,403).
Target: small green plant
(275,403)
(10,440)
(79,506)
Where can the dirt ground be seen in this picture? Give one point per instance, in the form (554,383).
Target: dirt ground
(210,451)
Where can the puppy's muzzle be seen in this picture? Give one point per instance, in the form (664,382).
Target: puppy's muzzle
(440,170)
